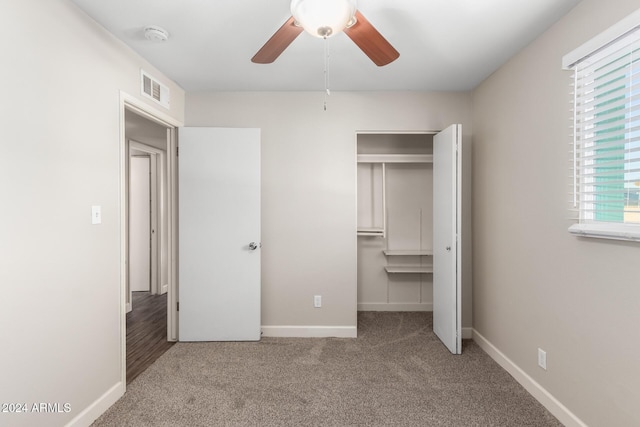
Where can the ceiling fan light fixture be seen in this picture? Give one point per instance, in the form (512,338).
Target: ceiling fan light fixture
(323,18)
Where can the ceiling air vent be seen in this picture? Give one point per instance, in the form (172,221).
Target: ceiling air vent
(152,88)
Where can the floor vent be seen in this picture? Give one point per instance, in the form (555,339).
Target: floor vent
(152,88)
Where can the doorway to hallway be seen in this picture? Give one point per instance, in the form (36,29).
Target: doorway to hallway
(147,236)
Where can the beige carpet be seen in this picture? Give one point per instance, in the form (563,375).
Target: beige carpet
(395,373)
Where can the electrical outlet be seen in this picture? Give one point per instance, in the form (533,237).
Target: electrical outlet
(542,359)
(317,301)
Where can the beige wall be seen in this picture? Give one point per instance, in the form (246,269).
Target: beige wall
(309,186)
(534,284)
(60,275)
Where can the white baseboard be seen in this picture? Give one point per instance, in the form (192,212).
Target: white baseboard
(326,331)
(395,307)
(310,331)
(547,400)
(164,289)
(97,408)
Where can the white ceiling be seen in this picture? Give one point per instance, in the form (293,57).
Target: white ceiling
(443,44)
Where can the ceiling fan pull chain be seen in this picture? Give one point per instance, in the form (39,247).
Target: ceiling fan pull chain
(327,92)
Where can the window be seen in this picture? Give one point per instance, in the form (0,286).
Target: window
(606,140)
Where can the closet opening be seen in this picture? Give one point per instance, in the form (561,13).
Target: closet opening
(409,227)
(395,221)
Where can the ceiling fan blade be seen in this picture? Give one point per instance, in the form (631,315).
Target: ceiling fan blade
(278,42)
(376,47)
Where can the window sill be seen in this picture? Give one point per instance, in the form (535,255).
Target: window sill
(607,231)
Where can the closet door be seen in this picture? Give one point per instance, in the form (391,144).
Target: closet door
(139,224)
(447,289)
(219,234)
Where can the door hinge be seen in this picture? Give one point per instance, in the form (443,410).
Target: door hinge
(178,306)
(177,151)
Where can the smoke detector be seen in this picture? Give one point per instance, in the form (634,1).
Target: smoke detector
(156,34)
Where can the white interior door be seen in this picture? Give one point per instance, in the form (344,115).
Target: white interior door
(447,224)
(139,224)
(219,234)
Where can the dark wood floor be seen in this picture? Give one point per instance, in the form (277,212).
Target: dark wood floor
(146,332)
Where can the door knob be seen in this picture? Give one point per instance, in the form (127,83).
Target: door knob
(448,248)
(253,246)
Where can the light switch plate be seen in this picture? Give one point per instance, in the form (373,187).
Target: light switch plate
(96,214)
(542,359)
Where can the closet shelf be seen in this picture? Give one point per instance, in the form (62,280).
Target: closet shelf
(369,231)
(409,269)
(408,252)
(395,158)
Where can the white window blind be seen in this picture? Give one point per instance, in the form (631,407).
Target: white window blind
(606,141)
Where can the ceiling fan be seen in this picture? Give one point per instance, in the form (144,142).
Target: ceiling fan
(326,18)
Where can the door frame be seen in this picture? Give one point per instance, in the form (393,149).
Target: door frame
(133,104)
